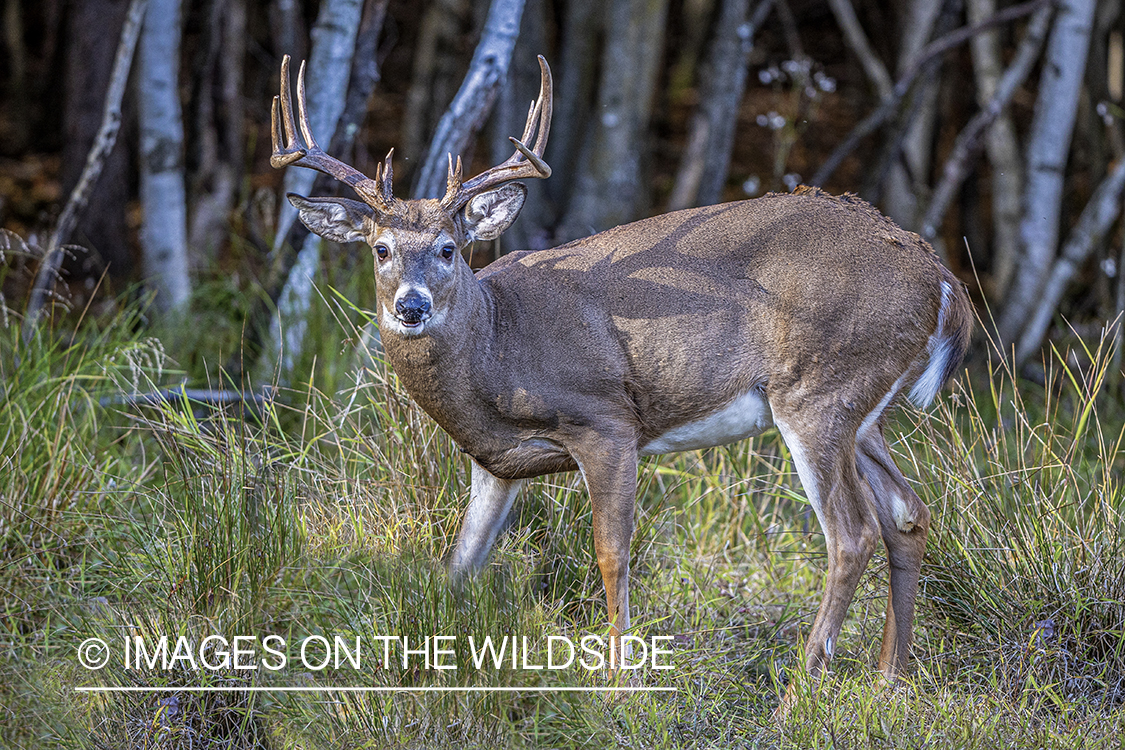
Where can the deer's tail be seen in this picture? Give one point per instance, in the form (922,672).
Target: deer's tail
(949,342)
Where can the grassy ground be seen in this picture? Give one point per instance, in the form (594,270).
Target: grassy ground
(329,513)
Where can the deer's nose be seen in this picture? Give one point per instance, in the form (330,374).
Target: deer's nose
(412,307)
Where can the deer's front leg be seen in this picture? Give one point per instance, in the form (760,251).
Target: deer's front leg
(490,499)
(610,470)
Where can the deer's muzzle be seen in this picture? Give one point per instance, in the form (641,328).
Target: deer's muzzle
(413,307)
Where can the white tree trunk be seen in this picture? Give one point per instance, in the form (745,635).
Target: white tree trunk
(1048,146)
(287,329)
(164,228)
(969,139)
(326,75)
(1098,216)
(1003,152)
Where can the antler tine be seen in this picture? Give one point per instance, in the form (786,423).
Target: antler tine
(287,152)
(546,95)
(532,117)
(525,163)
(275,129)
(385,178)
(303,111)
(302,149)
(453,177)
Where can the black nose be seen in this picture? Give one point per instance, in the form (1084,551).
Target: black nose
(412,307)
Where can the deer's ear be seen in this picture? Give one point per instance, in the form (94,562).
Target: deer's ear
(335,219)
(489,214)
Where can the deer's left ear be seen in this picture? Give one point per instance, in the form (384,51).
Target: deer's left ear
(489,214)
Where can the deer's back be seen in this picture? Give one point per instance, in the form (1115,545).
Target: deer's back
(710,303)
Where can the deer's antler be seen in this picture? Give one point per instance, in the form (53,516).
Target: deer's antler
(301,149)
(525,163)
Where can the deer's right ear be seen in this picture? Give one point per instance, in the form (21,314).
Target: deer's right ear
(335,219)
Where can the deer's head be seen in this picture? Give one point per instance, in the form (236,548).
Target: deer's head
(416,243)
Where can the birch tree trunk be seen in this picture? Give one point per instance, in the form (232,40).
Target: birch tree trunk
(1098,216)
(164,228)
(1049,143)
(327,73)
(609,186)
(968,140)
(1003,150)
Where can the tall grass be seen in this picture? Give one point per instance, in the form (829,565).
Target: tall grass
(1028,562)
(330,512)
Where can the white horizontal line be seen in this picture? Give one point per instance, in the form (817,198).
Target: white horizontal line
(361,689)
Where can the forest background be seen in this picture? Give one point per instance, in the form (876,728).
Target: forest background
(992,129)
(198,437)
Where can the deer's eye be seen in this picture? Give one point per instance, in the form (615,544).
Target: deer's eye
(382,251)
(447,252)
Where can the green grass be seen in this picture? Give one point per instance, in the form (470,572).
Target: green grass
(331,511)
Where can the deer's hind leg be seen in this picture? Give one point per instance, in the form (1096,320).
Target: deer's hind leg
(904,522)
(823,450)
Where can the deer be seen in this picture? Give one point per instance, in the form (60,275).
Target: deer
(803,311)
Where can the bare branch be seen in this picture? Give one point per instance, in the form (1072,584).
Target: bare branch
(857,43)
(940,46)
(970,140)
(184,395)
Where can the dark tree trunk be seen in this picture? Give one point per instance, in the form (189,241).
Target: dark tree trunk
(609,190)
(575,83)
(215,160)
(89,60)
(706,158)
(17,77)
(436,71)
(287,26)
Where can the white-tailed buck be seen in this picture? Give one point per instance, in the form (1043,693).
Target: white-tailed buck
(804,311)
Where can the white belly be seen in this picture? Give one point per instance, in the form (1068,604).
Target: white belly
(746,416)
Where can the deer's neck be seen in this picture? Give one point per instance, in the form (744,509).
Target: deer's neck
(439,368)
